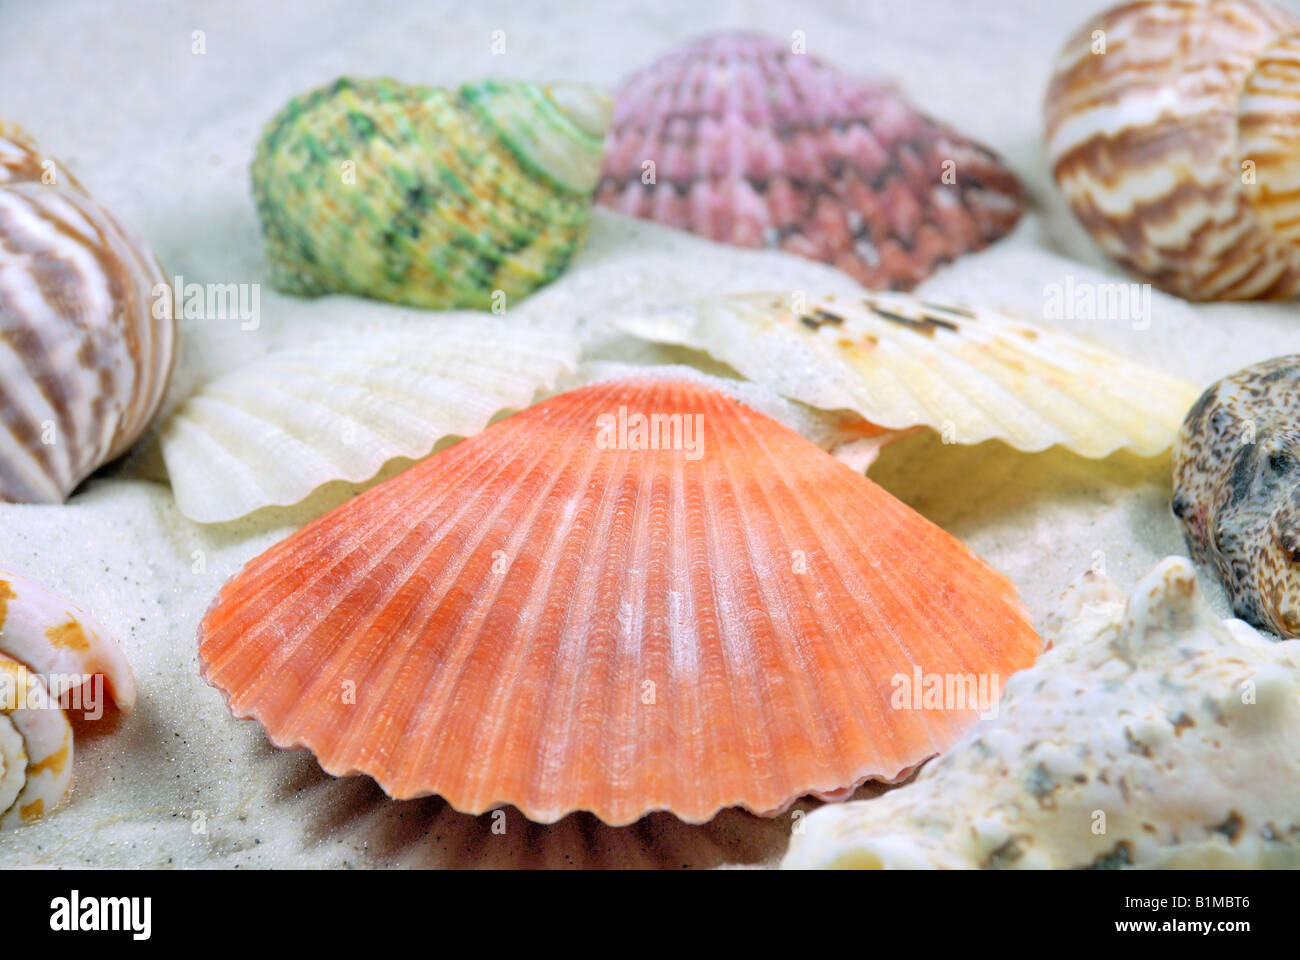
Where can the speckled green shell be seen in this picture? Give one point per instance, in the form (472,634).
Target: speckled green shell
(425,196)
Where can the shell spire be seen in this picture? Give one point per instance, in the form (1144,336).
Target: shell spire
(571,612)
(552,129)
(35,747)
(589,108)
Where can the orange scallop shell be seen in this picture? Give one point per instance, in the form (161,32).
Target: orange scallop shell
(547,615)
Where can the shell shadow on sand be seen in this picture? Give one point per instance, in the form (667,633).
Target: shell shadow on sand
(429,833)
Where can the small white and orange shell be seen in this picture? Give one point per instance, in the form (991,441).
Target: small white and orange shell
(1173,130)
(53,656)
(85,348)
(36,742)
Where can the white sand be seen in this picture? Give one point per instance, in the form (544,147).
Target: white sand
(164,137)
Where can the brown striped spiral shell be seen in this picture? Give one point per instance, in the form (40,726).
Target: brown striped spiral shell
(1173,129)
(84,362)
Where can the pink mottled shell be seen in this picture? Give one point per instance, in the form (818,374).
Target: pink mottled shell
(755,145)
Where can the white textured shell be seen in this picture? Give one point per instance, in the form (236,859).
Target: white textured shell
(293,420)
(49,652)
(1150,734)
(84,360)
(901,363)
(1173,130)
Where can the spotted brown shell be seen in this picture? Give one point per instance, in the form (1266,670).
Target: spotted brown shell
(1237,489)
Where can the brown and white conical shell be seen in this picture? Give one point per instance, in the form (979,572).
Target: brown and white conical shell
(85,347)
(1173,129)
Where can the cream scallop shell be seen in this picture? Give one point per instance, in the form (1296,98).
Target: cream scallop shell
(1150,734)
(1173,129)
(85,348)
(273,431)
(900,362)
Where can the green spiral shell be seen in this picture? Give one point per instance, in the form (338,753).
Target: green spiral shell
(425,196)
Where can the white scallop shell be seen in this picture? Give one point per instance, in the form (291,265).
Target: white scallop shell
(900,362)
(1149,734)
(275,430)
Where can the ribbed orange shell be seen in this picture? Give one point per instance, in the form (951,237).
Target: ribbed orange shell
(534,618)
